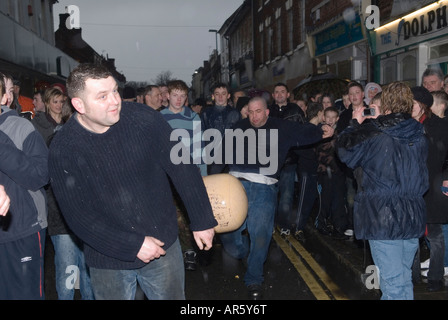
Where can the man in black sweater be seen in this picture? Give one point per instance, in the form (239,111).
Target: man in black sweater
(110,168)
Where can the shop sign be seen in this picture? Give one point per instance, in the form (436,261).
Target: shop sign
(422,25)
(338,35)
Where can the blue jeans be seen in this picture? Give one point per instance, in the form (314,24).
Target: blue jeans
(262,200)
(70,264)
(394,260)
(160,279)
(286,195)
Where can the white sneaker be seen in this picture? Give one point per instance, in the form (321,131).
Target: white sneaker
(348,232)
(425,264)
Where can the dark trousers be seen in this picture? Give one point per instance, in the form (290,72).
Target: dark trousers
(333,204)
(21,268)
(437,252)
(308,192)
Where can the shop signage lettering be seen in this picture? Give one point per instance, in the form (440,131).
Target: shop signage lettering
(433,20)
(412,29)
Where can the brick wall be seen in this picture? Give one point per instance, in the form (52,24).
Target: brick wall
(273,22)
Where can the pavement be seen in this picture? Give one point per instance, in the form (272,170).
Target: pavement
(348,263)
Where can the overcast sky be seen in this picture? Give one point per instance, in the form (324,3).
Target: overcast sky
(146,37)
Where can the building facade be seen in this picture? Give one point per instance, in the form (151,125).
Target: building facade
(269,41)
(337,39)
(281,53)
(31,52)
(28,49)
(237,54)
(412,37)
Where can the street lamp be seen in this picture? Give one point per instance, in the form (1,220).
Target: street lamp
(216,37)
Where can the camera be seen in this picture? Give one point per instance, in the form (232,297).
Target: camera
(368,112)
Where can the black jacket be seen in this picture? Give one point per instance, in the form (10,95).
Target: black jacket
(436,202)
(290,112)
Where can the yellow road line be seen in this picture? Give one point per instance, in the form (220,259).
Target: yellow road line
(329,283)
(306,275)
(310,279)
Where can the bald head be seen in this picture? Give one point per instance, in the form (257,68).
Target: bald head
(258,112)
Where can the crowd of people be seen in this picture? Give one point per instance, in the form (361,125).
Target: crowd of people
(90,166)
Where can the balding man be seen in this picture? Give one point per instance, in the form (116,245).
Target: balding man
(263,144)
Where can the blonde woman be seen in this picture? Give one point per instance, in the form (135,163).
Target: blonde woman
(46,122)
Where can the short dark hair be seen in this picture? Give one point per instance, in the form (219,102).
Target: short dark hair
(76,82)
(441,96)
(332,109)
(328,95)
(313,110)
(352,84)
(148,89)
(281,84)
(220,85)
(177,85)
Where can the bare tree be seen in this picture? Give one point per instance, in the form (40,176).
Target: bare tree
(163,78)
(137,84)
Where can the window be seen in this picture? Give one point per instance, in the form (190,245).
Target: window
(439,51)
(389,70)
(408,68)
(269,34)
(290,30)
(279,38)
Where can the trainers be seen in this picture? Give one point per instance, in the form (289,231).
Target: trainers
(299,235)
(323,228)
(285,232)
(425,264)
(254,291)
(348,232)
(190,260)
(338,235)
(435,285)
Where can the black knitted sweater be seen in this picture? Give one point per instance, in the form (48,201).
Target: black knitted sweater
(114,188)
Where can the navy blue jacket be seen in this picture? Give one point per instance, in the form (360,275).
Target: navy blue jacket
(264,150)
(220,118)
(389,157)
(24,173)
